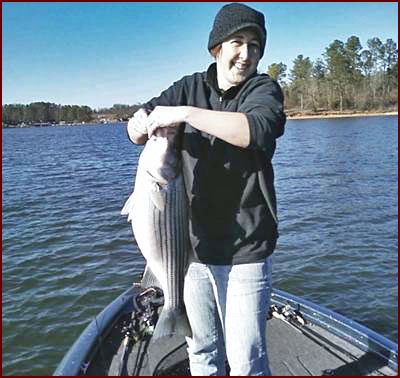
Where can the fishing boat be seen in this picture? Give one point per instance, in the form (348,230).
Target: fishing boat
(303,339)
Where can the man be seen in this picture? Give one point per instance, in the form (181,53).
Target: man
(230,118)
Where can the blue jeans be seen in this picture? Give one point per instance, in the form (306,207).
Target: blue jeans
(227,308)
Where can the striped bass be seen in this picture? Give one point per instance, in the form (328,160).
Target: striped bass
(157,209)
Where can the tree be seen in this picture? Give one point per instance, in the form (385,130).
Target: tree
(390,60)
(390,54)
(366,62)
(384,57)
(318,75)
(353,48)
(84,114)
(339,69)
(13,114)
(277,71)
(300,77)
(377,51)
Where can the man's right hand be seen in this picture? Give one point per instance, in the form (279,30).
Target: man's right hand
(137,127)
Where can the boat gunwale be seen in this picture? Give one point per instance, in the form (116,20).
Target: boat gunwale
(73,363)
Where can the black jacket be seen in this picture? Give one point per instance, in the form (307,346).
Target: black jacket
(230,189)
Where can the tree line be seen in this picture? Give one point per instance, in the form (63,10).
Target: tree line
(347,77)
(50,113)
(45,112)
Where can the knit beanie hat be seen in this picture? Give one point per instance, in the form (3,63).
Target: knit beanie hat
(234,17)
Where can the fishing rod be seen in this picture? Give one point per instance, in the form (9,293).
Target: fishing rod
(141,324)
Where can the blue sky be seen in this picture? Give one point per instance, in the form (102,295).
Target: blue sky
(100,54)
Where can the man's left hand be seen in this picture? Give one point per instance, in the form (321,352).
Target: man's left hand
(165,116)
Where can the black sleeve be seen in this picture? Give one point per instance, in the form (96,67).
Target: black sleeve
(172,96)
(263,107)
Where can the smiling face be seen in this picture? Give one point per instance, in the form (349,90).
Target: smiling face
(238,58)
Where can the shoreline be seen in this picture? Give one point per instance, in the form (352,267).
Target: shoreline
(339,115)
(305,116)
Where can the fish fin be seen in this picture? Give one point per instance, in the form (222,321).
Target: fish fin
(157,198)
(128,206)
(149,279)
(172,322)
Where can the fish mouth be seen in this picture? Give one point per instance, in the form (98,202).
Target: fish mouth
(163,176)
(168,132)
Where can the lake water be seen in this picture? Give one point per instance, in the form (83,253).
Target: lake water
(67,251)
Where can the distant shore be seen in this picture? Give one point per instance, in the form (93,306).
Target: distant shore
(48,124)
(297,116)
(338,115)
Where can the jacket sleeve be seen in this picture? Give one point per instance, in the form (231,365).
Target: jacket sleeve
(263,107)
(172,96)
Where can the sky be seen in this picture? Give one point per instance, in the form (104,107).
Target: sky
(103,53)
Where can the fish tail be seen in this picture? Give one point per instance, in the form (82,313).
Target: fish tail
(172,322)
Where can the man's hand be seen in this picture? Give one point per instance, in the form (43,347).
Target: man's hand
(137,127)
(165,116)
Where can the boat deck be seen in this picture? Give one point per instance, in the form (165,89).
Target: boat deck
(314,351)
(293,351)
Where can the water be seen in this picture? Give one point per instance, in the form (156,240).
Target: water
(67,252)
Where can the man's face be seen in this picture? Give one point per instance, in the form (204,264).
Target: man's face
(238,58)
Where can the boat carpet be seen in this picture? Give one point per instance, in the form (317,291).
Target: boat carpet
(292,352)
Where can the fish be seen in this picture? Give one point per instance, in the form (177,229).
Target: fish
(158,212)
